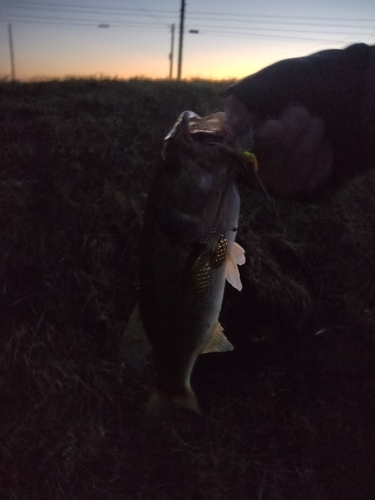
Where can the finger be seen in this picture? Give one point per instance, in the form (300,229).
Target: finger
(272,135)
(273,142)
(308,164)
(296,121)
(269,148)
(293,153)
(239,120)
(284,133)
(309,161)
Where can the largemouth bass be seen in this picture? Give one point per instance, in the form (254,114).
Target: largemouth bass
(187,252)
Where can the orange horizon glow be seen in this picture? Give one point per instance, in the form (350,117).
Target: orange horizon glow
(44,64)
(47,54)
(40,67)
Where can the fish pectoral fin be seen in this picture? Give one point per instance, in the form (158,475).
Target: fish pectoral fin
(232,273)
(235,258)
(238,254)
(135,348)
(218,341)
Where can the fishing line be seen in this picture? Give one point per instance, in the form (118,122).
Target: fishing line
(250,157)
(270,199)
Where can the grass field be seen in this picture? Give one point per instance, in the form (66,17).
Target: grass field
(288,415)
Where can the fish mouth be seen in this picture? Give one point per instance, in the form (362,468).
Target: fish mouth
(210,131)
(211,125)
(205,130)
(207,138)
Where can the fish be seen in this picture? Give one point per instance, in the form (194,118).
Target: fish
(187,252)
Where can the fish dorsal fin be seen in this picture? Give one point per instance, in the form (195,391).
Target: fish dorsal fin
(235,258)
(218,341)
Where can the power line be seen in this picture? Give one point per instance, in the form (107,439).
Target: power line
(83,8)
(58,23)
(21,17)
(91,24)
(213,24)
(233,28)
(146,11)
(272,16)
(75,5)
(238,17)
(95,11)
(133,12)
(255,35)
(217,33)
(213,29)
(283,23)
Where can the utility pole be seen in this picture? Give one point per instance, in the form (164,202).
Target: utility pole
(11,51)
(182,19)
(171,54)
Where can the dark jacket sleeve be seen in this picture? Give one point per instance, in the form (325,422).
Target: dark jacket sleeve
(331,84)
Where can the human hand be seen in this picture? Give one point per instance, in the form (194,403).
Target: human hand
(293,151)
(304,118)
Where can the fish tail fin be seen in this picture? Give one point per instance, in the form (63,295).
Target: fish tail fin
(161,404)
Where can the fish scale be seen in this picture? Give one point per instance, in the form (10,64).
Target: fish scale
(206,263)
(220,253)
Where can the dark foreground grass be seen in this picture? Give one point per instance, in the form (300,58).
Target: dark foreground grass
(289,414)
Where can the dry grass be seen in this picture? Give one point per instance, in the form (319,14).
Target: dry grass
(288,415)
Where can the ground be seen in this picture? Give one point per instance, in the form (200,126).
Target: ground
(287,415)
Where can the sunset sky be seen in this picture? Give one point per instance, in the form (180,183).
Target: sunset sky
(57,38)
